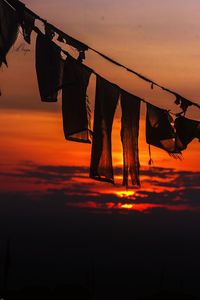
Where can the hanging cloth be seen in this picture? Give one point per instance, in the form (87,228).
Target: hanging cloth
(27,24)
(130,106)
(186,131)
(49,68)
(107,96)
(159,131)
(75,103)
(9,26)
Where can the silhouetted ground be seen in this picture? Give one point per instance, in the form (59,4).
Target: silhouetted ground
(44,293)
(168,295)
(73,292)
(113,256)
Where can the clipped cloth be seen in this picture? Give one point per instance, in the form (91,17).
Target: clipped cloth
(130,105)
(159,131)
(186,131)
(107,96)
(9,26)
(27,24)
(75,103)
(49,68)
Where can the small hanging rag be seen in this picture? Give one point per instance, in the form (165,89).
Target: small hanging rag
(159,130)
(107,95)
(9,25)
(49,68)
(130,106)
(75,102)
(27,23)
(186,131)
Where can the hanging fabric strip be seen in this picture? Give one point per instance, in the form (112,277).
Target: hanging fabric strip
(159,131)
(75,103)
(49,68)
(107,96)
(186,130)
(27,24)
(129,135)
(9,26)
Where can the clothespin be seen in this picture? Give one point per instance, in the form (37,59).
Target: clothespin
(81,56)
(184,103)
(49,32)
(178,100)
(61,39)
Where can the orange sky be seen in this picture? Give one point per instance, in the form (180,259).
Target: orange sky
(159,39)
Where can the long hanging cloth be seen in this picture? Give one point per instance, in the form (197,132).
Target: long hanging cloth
(9,26)
(49,68)
(107,96)
(186,131)
(129,136)
(75,103)
(159,131)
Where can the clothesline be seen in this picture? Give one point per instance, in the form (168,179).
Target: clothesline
(37,30)
(82,47)
(100,76)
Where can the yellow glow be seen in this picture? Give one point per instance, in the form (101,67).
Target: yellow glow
(127,206)
(125,194)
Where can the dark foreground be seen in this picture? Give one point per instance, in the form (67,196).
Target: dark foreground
(89,254)
(79,292)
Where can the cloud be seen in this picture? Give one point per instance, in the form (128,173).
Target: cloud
(69,186)
(48,174)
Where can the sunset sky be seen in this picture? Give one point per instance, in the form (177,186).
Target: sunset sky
(159,39)
(64,227)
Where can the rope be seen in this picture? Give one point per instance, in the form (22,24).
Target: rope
(80,46)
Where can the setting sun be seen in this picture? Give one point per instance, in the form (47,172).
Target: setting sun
(125,194)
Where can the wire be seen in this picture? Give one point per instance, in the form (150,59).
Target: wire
(16,4)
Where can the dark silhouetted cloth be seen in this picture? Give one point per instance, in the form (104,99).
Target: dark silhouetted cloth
(129,135)
(107,96)
(27,24)
(8,30)
(75,103)
(159,131)
(186,131)
(49,68)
